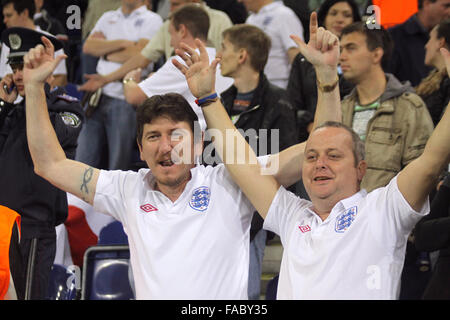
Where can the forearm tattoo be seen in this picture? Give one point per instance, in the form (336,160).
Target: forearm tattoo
(88,173)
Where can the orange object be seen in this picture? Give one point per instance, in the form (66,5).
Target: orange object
(393,12)
(7,219)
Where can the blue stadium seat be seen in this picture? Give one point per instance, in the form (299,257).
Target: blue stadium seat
(105,273)
(113,234)
(62,284)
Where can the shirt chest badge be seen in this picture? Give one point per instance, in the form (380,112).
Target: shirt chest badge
(200,199)
(345,219)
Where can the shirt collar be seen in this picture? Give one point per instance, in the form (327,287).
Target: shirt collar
(270,7)
(150,180)
(341,206)
(137,11)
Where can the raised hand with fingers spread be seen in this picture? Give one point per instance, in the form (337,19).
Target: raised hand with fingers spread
(200,75)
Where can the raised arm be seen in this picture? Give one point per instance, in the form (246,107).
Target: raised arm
(48,157)
(419,177)
(241,161)
(322,52)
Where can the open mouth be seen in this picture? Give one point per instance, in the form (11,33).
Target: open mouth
(166,163)
(321,178)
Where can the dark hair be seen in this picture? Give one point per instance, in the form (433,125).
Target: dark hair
(254,40)
(357,144)
(172,106)
(420,3)
(443,31)
(21,5)
(325,7)
(194,17)
(376,37)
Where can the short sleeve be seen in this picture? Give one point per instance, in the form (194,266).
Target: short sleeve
(109,193)
(285,209)
(289,24)
(394,218)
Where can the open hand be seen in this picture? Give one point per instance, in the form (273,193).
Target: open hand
(200,75)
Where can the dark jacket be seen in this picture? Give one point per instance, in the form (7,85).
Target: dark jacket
(408,57)
(41,205)
(302,92)
(433,233)
(438,100)
(269,109)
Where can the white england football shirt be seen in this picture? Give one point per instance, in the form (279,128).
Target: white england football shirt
(356,253)
(194,248)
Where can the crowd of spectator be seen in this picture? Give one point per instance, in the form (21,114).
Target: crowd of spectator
(117,57)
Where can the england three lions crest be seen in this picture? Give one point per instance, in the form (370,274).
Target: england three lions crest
(200,199)
(345,219)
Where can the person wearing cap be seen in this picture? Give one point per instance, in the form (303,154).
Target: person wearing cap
(41,205)
(20,13)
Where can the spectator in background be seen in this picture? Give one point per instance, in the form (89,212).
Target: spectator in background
(20,14)
(435,88)
(388,116)
(314,5)
(42,206)
(432,233)
(186,23)
(333,15)
(95,9)
(160,46)
(47,23)
(234,9)
(254,104)
(407,61)
(278,22)
(111,123)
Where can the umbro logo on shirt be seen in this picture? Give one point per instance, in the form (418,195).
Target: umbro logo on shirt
(148,208)
(304,229)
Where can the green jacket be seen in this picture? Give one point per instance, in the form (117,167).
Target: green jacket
(396,134)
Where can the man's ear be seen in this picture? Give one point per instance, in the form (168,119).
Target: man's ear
(183,30)
(378,54)
(25,13)
(243,55)
(140,149)
(362,168)
(198,147)
(442,43)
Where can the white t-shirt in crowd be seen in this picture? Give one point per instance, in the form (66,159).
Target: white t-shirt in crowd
(278,22)
(139,24)
(6,69)
(356,253)
(169,79)
(194,248)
